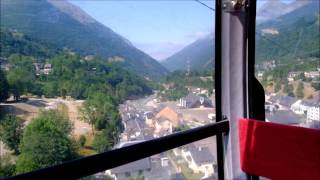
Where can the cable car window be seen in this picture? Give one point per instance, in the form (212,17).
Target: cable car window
(287,61)
(79,78)
(196,160)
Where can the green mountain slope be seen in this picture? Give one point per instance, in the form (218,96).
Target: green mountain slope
(67,26)
(13,42)
(291,36)
(295,35)
(199,55)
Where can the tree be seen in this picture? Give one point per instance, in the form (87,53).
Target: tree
(300,90)
(302,77)
(316,84)
(4,87)
(46,142)
(50,89)
(182,127)
(20,81)
(82,140)
(277,87)
(7,168)
(11,132)
(288,88)
(137,177)
(101,141)
(99,110)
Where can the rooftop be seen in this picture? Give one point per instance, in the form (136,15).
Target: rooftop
(283,100)
(312,102)
(169,114)
(285,117)
(142,164)
(193,99)
(201,155)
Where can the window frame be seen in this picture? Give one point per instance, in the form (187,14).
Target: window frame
(93,164)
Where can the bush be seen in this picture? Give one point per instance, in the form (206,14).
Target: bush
(100,142)
(46,142)
(82,140)
(11,132)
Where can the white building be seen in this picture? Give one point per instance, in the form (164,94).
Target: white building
(309,108)
(47,68)
(313,113)
(260,75)
(312,74)
(292,75)
(298,107)
(199,159)
(163,127)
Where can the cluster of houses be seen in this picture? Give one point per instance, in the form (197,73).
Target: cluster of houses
(193,100)
(163,120)
(290,110)
(157,167)
(199,158)
(266,65)
(149,125)
(4,64)
(141,125)
(308,74)
(42,68)
(293,75)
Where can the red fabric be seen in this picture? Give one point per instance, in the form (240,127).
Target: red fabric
(279,152)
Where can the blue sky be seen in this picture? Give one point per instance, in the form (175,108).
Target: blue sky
(160,28)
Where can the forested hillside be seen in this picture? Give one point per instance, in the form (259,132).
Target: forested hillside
(17,42)
(67,26)
(37,69)
(286,38)
(292,36)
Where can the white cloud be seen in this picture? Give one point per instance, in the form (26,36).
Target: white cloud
(160,51)
(163,50)
(197,35)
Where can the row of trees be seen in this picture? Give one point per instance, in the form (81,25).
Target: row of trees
(180,80)
(101,111)
(73,76)
(288,88)
(104,85)
(4,87)
(278,77)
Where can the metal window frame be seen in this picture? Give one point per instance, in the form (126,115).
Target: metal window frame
(238,93)
(97,163)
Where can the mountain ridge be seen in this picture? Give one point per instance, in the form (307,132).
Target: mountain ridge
(201,49)
(67,26)
(286,30)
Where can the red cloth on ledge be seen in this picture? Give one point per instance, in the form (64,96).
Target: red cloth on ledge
(279,152)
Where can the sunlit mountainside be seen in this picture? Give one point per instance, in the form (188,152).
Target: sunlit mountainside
(66,26)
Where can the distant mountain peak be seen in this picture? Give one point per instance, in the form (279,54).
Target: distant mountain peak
(293,25)
(63,24)
(72,10)
(197,55)
(275,8)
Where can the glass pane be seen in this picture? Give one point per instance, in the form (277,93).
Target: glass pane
(193,161)
(287,61)
(79,78)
